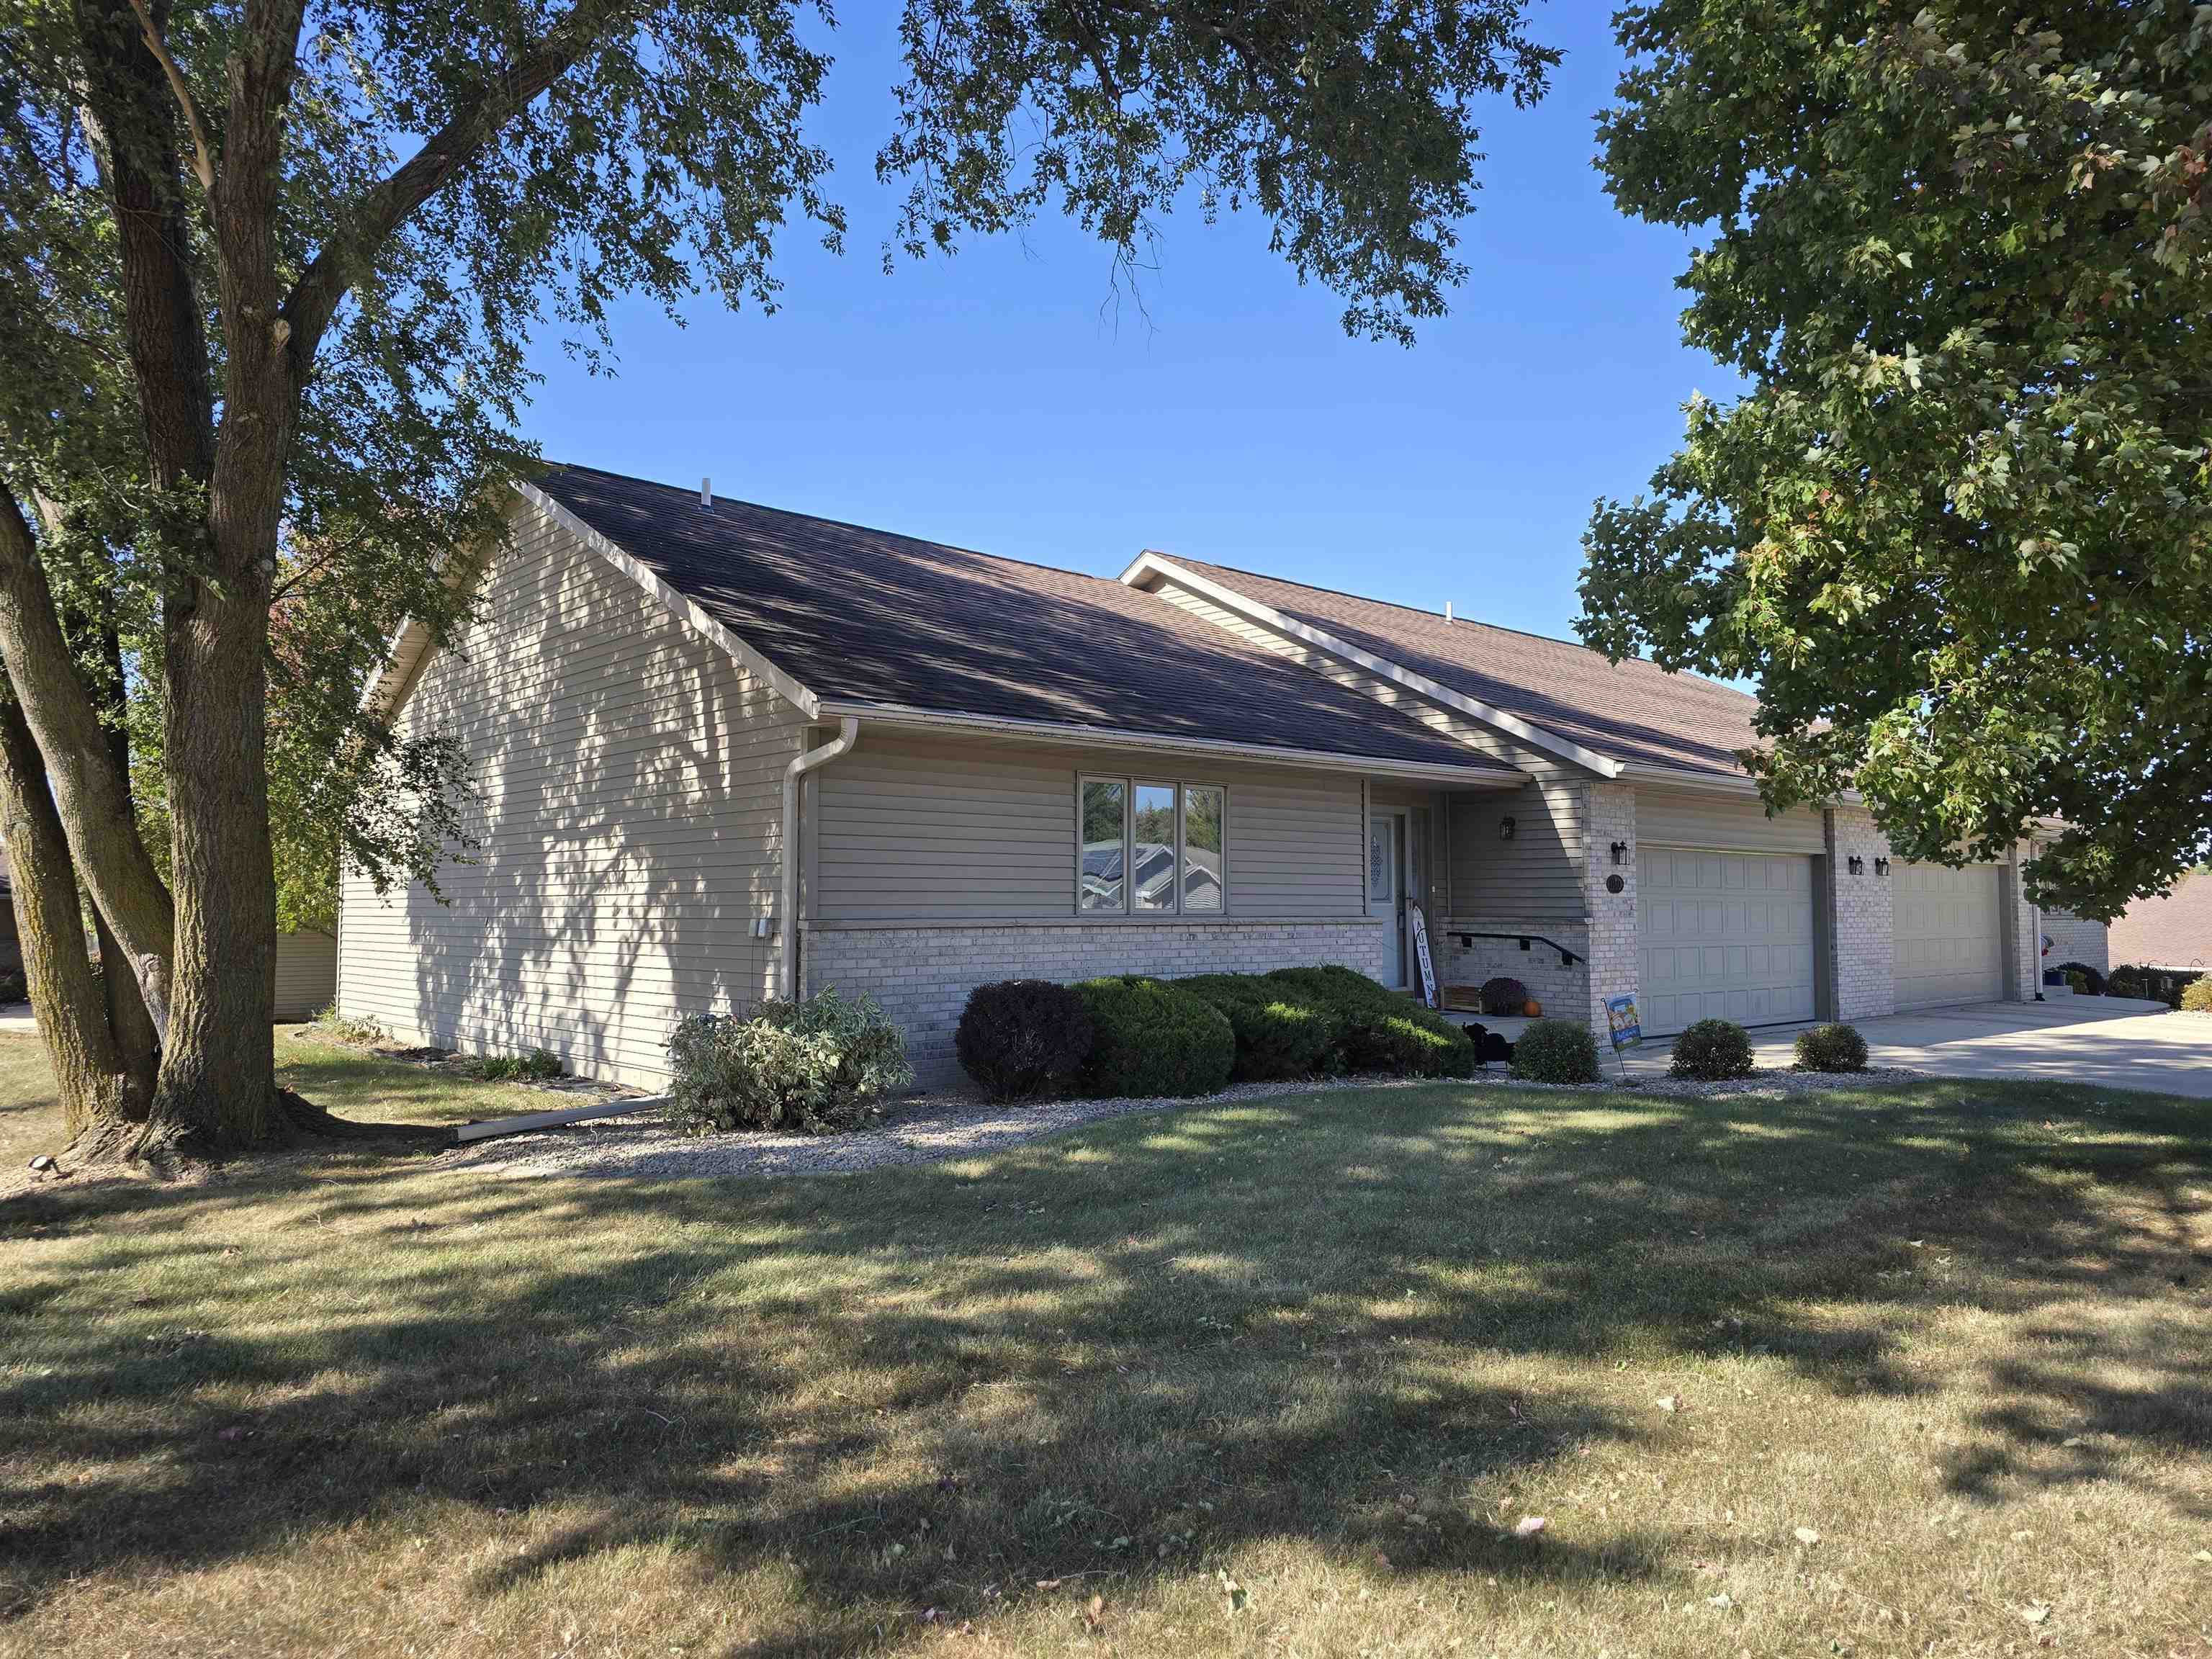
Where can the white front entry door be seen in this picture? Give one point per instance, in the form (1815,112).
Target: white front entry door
(1385,871)
(1725,936)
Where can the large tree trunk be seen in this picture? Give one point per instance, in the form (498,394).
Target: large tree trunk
(99,1094)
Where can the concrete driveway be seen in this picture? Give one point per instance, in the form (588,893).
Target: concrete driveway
(2110,1042)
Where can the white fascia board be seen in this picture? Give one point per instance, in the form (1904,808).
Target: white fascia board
(1715,783)
(906,716)
(684,610)
(1512,726)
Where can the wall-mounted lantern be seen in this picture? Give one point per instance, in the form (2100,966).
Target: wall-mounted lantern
(1881,867)
(1620,852)
(1855,864)
(1505,828)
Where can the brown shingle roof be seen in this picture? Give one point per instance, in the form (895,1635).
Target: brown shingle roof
(2173,931)
(1633,711)
(864,616)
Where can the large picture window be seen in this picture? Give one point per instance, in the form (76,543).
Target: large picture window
(1152,849)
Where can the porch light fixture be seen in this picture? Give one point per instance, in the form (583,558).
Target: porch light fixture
(1505,828)
(1620,852)
(1881,867)
(1855,864)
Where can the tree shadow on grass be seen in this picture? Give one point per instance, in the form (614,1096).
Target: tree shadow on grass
(1104,1353)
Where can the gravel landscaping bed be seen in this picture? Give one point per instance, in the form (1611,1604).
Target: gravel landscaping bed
(929,1128)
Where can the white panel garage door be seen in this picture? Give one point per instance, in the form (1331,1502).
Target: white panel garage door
(1725,936)
(1944,926)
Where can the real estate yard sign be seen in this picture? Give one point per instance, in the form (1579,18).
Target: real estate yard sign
(1421,955)
(1620,1020)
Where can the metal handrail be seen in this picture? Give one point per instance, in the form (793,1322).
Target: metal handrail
(1567,958)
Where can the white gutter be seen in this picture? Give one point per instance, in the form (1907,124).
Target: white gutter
(1103,737)
(1149,564)
(848,733)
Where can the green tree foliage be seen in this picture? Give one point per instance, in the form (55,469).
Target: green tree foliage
(268,269)
(1957,529)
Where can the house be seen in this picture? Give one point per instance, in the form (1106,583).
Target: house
(2174,931)
(725,752)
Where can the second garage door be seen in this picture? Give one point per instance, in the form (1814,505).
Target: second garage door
(1945,931)
(1725,936)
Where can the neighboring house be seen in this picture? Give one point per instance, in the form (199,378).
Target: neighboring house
(2173,931)
(724,750)
(307,973)
(11,947)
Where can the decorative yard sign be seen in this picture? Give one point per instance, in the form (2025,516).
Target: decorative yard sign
(1620,1020)
(1421,955)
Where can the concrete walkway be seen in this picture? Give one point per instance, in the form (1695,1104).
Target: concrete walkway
(2111,1042)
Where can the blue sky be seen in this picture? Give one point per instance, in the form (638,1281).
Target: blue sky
(987,400)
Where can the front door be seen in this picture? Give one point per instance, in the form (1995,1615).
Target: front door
(1386,894)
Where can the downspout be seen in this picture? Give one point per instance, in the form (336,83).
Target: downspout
(848,733)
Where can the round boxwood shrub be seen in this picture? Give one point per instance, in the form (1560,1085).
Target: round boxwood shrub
(2085,980)
(1712,1049)
(2196,997)
(1504,995)
(1556,1051)
(1022,1039)
(1831,1048)
(1380,1029)
(1281,1032)
(1149,1039)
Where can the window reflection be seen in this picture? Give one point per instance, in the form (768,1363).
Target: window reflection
(1105,818)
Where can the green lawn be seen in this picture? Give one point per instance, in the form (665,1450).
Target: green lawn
(1276,1377)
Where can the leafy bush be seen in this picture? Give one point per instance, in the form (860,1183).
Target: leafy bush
(336,1027)
(1380,1030)
(1280,1031)
(1024,1038)
(2150,984)
(1149,1039)
(535,1066)
(2131,981)
(816,1065)
(1711,1050)
(2085,980)
(2196,996)
(1556,1051)
(1831,1048)
(1503,996)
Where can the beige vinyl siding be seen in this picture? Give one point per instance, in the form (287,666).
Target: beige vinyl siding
(911,828)
(1732,823)
(1537,873)
(630,775)
(306,974)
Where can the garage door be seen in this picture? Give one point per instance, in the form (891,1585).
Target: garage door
(1948,944)
(1725,936)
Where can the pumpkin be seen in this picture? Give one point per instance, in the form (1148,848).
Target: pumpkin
(1533,1008)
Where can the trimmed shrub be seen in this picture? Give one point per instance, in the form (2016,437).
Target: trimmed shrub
(535,1066)
(1503,996)
(1556,1051)
(1380,1030)
(1149,1038)
(817,1065)
(1022,1039)
(1711,1050)
(1281,1032)
(2132,983)
(1831,1048)
(2164,985)
(2085,980)
(2196,997)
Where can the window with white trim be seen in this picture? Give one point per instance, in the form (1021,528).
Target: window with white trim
(1148,849)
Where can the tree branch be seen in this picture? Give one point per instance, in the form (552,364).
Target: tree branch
(203,156)
(364,226)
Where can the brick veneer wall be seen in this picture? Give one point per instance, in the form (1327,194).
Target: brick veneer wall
(1564,992)
(1861,949)
(1615,934)
(2076,938)
(2028,930)
(922,975)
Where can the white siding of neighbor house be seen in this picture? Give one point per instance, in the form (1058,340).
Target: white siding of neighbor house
(307,973)
(916,829)
(630,775)
(1733,824)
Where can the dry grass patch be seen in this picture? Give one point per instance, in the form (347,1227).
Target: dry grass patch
(1268,1377)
